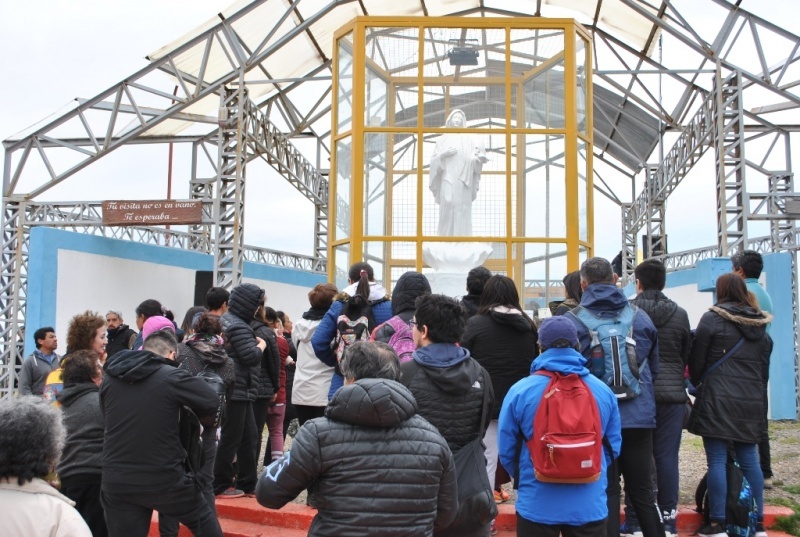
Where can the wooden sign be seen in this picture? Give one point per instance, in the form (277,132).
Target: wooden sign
(152,212)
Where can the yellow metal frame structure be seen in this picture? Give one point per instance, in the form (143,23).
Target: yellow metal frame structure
(348,232)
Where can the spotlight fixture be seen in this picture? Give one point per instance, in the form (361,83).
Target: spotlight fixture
(462,54)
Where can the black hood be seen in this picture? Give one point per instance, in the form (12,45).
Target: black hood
(132,366)
(512,318)
(471,303)
(410,286)
(656,305)
(67,396)
(751,322)
(372,403)
(244,301)
(457,379)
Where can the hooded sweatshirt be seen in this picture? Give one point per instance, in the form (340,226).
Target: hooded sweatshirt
(554,503)
(140,397)
(372,466)
(443,376)
(606,299)
(730,400)
(82,458)
(505,343)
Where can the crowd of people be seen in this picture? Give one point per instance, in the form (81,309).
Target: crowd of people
(414,409)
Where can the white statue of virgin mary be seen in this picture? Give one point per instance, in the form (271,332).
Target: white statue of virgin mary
(455,175)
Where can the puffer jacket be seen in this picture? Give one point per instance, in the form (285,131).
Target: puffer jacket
(205,352)
(241,344)
(606,299)
(443,377)
(36,509)
(674,339)
(504,342)
(268,382)
(730,401)
(374,467)
(381,308)
(408,288)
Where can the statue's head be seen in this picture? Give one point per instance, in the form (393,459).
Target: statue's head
(456,119)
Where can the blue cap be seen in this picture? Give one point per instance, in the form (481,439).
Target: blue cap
(555,328)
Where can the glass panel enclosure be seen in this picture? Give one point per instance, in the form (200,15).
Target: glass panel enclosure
(464,146)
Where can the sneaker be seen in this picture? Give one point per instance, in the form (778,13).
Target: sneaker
(630,528)
(501,496)
(670,522)
(230,493)
(712,530)
(760,531)
(493,529)
(768,483)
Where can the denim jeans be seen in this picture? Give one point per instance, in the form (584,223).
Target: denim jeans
(717,458)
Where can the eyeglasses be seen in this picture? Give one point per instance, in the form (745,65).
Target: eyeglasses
(412,323)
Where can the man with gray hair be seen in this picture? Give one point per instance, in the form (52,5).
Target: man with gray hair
(370,430)
(120,336)
(141,397)
(603,303)
(31,444)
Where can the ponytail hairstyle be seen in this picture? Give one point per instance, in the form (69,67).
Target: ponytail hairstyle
(270,316)
(363,274)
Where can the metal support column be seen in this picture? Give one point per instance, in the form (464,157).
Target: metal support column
(13,292)
(202,188)
(732,203)
(229,198)
(628,243)
(655,228)
(782,230)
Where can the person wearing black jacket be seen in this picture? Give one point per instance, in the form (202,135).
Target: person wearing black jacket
(476,281)
(674,338)
(203,352)
(372,466)
(503,339)
(729,407)
(120,335)
(269,376)
(141,397)
(452,390)
(238,436)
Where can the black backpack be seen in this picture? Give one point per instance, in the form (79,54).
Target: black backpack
(741,511)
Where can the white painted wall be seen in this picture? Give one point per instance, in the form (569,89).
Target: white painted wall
(100,283)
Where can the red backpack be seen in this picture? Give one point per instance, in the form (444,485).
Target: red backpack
(567,442)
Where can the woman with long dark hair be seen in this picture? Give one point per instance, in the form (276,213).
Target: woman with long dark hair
(729,364)
(503,339)
(269,376)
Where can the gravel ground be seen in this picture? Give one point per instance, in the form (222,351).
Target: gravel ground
(785,447)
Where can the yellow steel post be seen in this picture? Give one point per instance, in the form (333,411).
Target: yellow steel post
(571,147)
(357,175)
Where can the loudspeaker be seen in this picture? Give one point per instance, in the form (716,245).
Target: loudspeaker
(657,250)
(203,281)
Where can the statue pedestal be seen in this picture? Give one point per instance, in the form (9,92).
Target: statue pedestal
(451,262)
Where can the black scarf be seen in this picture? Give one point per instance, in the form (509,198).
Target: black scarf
(315,314)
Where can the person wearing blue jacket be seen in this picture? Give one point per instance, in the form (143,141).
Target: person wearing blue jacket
(547,509)
(378,300)
(601,296)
